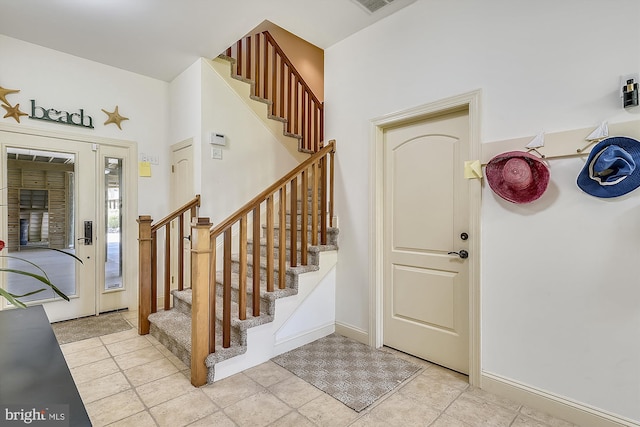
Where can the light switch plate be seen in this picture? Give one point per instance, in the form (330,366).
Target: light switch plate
(216,153)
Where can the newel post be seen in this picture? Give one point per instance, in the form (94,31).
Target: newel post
(200,322)
(144,273)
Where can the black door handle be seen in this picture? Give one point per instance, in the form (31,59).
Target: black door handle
(462,254)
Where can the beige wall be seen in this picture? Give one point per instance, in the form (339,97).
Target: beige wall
(307,58)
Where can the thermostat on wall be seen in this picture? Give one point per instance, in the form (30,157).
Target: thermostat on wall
(217,139)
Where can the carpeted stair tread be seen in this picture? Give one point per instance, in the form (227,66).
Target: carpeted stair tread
(175,324)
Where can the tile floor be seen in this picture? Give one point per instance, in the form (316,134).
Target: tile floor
(130,380)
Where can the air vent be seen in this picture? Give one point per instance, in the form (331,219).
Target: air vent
(373,5)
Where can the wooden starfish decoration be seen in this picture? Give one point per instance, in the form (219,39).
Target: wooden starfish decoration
(13,112)
(114,117)
(4,92)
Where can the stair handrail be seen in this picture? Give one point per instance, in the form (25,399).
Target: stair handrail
(319,169)
(148,261)
(310,111)
(248,207)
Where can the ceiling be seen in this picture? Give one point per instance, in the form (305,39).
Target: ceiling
(161,38)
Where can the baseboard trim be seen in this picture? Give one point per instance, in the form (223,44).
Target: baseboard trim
(301,339)
(352,332)
(560,407)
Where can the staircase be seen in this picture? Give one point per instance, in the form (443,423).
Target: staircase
(173,327)
(262,281)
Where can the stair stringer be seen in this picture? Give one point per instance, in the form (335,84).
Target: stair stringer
(259,106)
(271,339)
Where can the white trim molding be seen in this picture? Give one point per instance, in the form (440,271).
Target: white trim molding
(552,404)
(471,101)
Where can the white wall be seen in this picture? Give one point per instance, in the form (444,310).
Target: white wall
(561,313)
(252,159)
(65,82)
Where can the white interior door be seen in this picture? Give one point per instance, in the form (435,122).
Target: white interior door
(182,192)
(426,199)
(49,201)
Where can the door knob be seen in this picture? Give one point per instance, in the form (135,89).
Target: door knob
(462,254)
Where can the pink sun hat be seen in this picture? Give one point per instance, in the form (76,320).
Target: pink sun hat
(517,176)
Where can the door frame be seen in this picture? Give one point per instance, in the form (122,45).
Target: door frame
(131,199)
(470,100)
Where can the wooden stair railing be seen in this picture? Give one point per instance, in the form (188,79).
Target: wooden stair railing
(315,175)
(259,59)
(148,259)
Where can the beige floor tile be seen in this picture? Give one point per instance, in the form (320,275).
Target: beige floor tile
(398,410)
(119,336)
(152,371)
(130,314)
(138,357)
(447,421)
(446,376)
(217,419)
(545,418)
(232,389)
(127,346)
(295,391)
(114,408)
(427,391)
(176,362)
(478,412)
(493,398)
(153,340)
(94,370)
(183,410)
(74,347)
(292,419)
(164,389)
(324,410)
(260,409)
(268,374)
(522,421)
(141,419)
(368,420)
(102,387)
(85,357)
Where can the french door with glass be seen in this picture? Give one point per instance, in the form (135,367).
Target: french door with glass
(63,195)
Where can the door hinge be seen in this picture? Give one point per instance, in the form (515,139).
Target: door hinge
(173,169)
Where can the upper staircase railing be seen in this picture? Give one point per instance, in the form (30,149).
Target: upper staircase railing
(148,259)
(259,58)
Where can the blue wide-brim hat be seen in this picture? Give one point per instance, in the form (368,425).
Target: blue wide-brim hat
(612,168)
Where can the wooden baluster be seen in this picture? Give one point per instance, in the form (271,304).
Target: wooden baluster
(154,271)
(242,270)
(200,301)
(212,294)
(228,52)
(281,100)
(249,56)
(180,250)
(331,172)
(167,266)
(321,122)
(296,108)
(323,200)
(293,219)
(314,206)
(239,58)
(274,80)
(144,273)
(257,66)
(226,292)
(256,261)
(266,68)
(310,145)
(270,245)
(282,245)
(304,198)
(316,129)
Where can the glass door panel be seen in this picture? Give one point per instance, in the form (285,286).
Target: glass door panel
(113,221)
(48,206)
